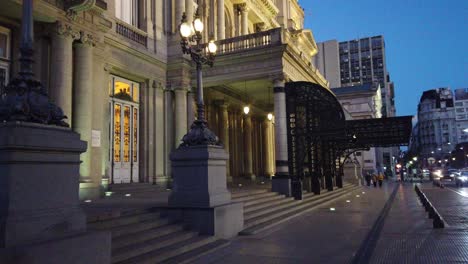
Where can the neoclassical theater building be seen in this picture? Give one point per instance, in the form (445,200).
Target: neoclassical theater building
(117,70)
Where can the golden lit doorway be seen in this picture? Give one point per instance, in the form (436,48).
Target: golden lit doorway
(124,129)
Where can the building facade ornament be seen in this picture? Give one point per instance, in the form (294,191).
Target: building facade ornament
(87,39)
(65,30)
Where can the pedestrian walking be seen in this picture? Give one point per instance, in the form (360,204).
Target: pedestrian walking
(368,177)
(374,179)
(381,177)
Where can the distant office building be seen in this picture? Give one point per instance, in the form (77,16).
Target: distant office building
(461,114)
(328,62)
(363,102)
(437,130)
(360,61)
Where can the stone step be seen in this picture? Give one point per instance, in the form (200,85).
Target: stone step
(196,253)
(265,215)
(298,204)
(142,248)
(255,207)
(138,227)
(171,251)
(124,220)
(267,199)
(238,194)
(126,240)
(135,186)
(253,197)
(259,224)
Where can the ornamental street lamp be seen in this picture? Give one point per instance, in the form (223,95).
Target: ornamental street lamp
(191,35)
(25,99)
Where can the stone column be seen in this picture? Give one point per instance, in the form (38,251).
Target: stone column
(61,68)
(168,130)
(190,108)
(244,19)
(221,20)
(268,147)
(189,10)
(83,97)
(248,162)
(179,10)
(180,115)
(224,133)
(281,182)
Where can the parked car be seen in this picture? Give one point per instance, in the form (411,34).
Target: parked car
(451,174)
(461,179)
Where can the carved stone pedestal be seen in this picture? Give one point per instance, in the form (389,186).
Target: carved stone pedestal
(200,196)
(40,217)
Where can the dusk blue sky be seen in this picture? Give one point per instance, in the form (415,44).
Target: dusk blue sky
(426,40)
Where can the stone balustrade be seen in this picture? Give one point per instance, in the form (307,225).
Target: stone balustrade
(131,33)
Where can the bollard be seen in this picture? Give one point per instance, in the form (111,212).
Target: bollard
(431,212)
(438,222)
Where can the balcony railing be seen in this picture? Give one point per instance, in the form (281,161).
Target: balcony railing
(131,33)
(252,41)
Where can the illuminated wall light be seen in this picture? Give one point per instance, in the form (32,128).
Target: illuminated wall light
(246,110)
(363,192)
(240,185)
(270,116)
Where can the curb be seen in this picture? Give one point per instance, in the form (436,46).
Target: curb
(437,220)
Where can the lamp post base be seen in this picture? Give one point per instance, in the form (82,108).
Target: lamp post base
(200,134)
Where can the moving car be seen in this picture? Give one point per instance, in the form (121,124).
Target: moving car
(462,179)
(451,174)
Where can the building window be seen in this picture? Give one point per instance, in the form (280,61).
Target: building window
(5,39)
(127,11)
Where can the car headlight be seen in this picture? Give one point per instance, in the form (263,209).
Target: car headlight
(463,178)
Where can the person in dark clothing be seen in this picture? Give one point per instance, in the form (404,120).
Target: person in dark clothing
(374,179)
(368,178)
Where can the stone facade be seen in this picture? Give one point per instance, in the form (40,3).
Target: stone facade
(116,69)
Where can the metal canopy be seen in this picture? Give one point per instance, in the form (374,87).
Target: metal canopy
(380,132)
(320,139)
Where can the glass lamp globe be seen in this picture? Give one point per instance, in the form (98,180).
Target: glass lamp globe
(198,25)
(246,110)
(270,116)
(212,48)
(185,30)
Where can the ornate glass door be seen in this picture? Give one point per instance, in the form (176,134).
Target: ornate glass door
(124,131)
(125,143)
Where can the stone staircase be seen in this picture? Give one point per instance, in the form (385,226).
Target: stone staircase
(146,236)
(135,189)
(264,209)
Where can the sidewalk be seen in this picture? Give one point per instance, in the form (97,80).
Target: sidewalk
(408,236)
(320,236)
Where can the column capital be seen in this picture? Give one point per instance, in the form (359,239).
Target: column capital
(156,84)
(65,30)
(242,7)
(87,39)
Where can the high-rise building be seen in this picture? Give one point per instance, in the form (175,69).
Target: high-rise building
(437,133)
(360,61)
(461,114)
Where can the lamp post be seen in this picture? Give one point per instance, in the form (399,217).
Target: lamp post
(25,99)
(191,35)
